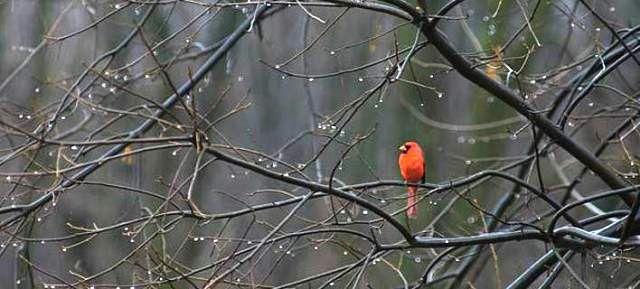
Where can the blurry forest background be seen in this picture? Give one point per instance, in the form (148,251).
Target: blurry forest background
(108,180)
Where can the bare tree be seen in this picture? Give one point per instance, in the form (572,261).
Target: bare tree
(217,144)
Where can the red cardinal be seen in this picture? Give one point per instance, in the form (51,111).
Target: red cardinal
(412,167)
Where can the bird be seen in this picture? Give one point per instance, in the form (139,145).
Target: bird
(412,168)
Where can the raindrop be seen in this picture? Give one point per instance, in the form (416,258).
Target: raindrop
(485,18)
(591,104)
(612,9)
(467,162)
(360,79)
(277,66)
(471,220)
(310,78)
(417,259)
(461,139)
(37,90)
(332,52)
(365,212)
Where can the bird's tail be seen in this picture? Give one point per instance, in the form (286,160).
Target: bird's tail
(412,208)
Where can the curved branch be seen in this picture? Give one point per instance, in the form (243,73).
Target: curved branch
(508,96)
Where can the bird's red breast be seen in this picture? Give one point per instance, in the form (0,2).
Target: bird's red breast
(411,162)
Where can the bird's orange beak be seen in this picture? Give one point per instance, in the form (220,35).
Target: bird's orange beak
(402,148)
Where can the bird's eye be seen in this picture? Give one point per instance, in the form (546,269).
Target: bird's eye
(408,146)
